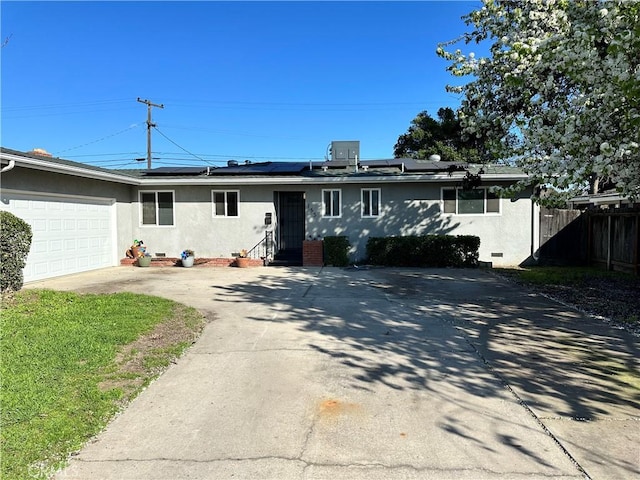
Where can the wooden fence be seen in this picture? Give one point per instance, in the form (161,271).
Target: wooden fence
(604,238)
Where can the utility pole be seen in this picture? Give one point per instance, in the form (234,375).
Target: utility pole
(149,125)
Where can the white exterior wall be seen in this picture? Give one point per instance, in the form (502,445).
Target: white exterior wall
(195,226)
(406,209)
(415,209)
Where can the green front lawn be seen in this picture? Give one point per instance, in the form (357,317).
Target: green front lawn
(70,361)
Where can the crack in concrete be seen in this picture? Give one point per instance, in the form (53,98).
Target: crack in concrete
(306,465)
(524,405)
(591,420)
(507,386)
(226,352)
(305,443)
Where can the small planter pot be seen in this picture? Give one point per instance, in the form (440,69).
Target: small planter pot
(188,262)
(242,262)
(144,261)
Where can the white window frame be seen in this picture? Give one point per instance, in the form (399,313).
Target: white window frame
(457,200)
(157,208)
(226,203)
(369,202)
(332,214)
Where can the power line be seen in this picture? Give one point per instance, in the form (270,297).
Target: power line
(102,154)
(298,104)
(98,140)
(182,148)
(65,105)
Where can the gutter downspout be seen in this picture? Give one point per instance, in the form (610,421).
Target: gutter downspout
(12,163)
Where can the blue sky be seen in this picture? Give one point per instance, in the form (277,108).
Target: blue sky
(238,80)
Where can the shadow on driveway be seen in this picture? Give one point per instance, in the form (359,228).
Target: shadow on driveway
(377,373)
(562,366)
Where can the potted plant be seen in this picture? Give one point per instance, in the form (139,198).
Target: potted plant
(242,260)
(139,252)
(134,249)
(187,256)
(144,260)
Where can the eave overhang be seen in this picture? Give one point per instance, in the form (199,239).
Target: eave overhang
(76,169)
(47,165)
(326,180)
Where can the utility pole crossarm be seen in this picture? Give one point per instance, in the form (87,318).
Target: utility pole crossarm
(149,125)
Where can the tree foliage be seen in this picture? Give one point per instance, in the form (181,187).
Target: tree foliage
(563,79)
(427,136)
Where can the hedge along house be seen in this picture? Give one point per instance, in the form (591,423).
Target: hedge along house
(86,217)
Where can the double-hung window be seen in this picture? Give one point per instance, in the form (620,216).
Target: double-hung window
(370,202)
(225,203)
(331,203)
(156,208)
(478,201)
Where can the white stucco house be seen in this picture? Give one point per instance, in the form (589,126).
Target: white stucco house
(85,217)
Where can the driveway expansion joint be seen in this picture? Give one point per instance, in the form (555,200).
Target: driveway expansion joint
(524,405)
(226,352)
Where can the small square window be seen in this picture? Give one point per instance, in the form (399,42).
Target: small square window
(225,203)
(331,203)
(370,202)
(156,208)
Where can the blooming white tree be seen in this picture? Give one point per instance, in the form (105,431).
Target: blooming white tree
(559,94)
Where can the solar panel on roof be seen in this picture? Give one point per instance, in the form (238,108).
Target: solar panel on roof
(177,171)
(262,168)
(289,167)
(256,169)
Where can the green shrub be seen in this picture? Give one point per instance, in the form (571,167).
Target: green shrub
(424,251)
(15,242)
(336,251)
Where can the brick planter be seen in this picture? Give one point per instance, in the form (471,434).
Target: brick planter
(313,253)
(199,262)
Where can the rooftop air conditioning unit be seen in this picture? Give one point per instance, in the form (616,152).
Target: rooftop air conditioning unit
(347,151)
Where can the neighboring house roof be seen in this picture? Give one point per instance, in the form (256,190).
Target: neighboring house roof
(367,171)
(600,199)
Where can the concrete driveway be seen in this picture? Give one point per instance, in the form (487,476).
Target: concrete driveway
(373,374)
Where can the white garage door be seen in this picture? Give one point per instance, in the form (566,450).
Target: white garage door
(70,234)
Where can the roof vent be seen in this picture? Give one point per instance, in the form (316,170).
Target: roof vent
(434,158)
(232,163)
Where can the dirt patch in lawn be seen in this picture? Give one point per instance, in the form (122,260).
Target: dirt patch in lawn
(614,299)
(138,363)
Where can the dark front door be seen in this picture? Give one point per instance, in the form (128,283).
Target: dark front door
(290,231)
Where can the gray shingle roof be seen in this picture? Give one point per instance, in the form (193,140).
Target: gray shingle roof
(365,168)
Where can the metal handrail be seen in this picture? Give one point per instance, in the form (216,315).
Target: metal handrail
(267,250)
